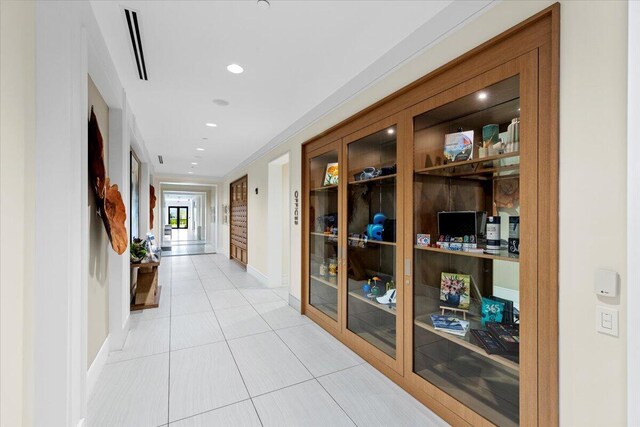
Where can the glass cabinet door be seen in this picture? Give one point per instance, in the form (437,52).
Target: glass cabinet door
(323,208)
(466,266)
(371,239)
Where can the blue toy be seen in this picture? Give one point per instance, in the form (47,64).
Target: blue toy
(374,231)
(379,218)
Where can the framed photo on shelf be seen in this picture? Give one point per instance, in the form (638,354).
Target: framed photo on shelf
(455,290)
(458,146)
(331,175)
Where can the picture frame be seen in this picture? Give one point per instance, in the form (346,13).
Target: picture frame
(331,174)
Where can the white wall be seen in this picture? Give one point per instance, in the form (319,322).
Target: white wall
(633,216)
(593,162)
(17,142)
(99,245)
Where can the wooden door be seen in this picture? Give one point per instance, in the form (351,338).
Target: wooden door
(239,211)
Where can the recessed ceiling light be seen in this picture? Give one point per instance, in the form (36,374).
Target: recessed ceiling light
(263,4)
(194,163)
(190,172)
(235,68)
(391,131)
(211,125)
(221,102)
(482,95)
(200,149)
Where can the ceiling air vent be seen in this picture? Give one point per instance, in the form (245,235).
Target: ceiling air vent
(136,42)
(160,160)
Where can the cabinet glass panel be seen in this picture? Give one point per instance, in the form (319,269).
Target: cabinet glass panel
(466,252)
(371,241)
(323,239)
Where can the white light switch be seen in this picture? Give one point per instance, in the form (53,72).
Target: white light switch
(607,320)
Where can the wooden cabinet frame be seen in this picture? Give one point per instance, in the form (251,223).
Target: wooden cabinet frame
(530,50)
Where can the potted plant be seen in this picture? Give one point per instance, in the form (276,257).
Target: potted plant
(138,251)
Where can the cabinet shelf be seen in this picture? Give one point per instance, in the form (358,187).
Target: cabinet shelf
(383,307)
(376,179)
(325,188)
(315,233)
(422,322)
(324,281)
(377,242)
(472,167)
(503,256)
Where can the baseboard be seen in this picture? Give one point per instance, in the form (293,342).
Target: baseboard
(96,367)
(258,275)
(295,303)
(118,338)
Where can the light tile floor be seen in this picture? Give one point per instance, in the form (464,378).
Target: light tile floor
(224,350)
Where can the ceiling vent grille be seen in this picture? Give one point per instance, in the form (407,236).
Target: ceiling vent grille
(160,160)
(136,42)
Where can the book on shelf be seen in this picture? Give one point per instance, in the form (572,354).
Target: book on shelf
(450,324)
(499,338)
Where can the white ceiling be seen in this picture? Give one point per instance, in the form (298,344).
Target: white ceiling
(295,55)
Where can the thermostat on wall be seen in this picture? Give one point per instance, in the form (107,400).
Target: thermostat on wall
(606,283)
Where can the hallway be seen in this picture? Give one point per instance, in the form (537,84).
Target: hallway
(223,350)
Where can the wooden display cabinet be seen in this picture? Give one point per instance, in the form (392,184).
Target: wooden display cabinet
(514,75)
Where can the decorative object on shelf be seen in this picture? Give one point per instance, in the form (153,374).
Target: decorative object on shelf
(514,235)
(367,173)
(152,204)
(376,288)
(390,285)
(333,267)
(513,136)
(374,231)
(108,199)
(487,341)
(457,224)
(490,137)
(357,240)
(455,290)
(508,313)
(458,146)
(331,175)
(388,298)
(325,223)
(379,218)
(366,287)
(493,234)
(138,250)
(491,311)
(507,192)
(449,324)
(423,239)
(508,335)
(323,270)
(388,170)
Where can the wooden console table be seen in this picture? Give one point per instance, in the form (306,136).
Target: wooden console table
(144,286)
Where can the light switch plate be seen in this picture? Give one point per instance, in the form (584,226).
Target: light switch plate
(607,320)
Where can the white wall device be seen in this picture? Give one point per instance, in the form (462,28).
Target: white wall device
(606,283)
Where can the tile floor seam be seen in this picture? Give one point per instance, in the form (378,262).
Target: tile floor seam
(342,369)
(210,410)
(234,359)
(282,388)
(337,403)
(170,321)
